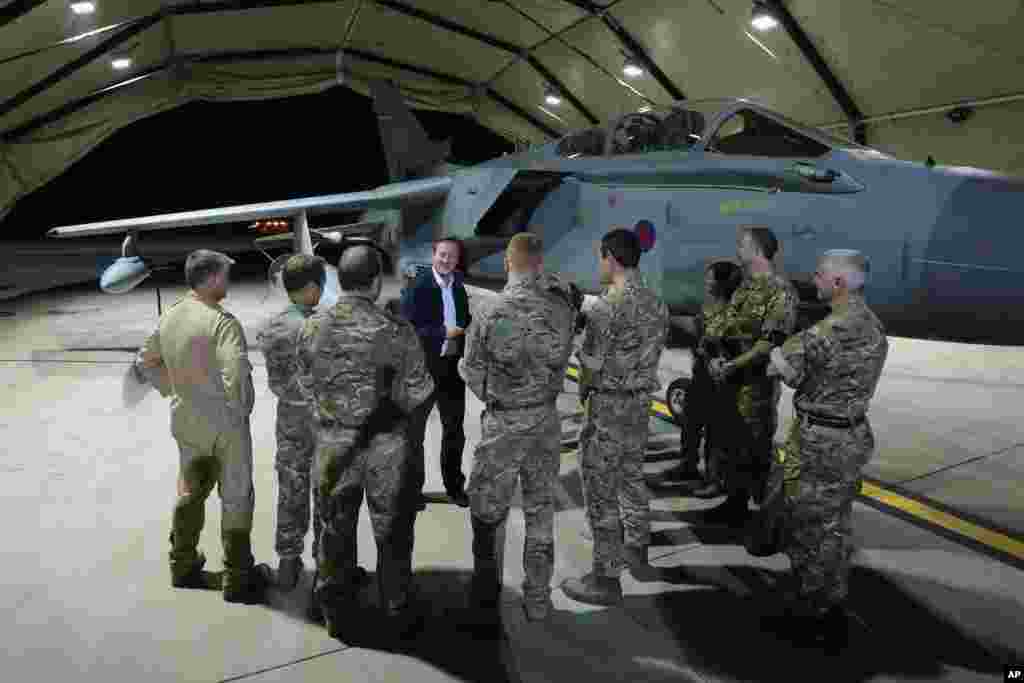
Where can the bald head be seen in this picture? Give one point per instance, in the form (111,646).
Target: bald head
(525,253)
(849,265)
(358,268)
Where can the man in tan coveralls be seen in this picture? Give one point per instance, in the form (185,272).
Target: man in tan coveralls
(625,335)
(199,357)
(516,357)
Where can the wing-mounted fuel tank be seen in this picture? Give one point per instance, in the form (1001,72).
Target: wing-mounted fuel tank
(128,271)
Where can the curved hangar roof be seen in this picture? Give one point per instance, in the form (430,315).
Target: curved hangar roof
(74,72)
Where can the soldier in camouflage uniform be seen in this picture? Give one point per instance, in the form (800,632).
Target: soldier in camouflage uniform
(198,356)
(624,337)
(303,278)
(702,401)
(364,370)
(761,313)
(834,366)
(516,358)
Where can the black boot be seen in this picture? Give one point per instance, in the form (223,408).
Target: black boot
(251,587)
(733,512)
(684,471)
(197,578)
(288,572)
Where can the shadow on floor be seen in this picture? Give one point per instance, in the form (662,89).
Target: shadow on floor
(440,642)
(891,633)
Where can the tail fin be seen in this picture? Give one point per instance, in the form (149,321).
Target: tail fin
(410,153)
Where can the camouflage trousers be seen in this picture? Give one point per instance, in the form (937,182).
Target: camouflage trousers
(822,476)
(516,446)
(341,476)
(208,459)
(747,432)
(296,443)
(613,440)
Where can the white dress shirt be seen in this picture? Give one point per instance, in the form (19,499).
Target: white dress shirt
(445,283)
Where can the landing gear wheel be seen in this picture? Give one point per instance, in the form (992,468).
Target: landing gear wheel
(675,396)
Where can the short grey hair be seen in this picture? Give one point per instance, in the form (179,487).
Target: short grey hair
(202,264)
(851,265)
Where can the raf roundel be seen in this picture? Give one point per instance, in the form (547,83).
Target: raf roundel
(645,232)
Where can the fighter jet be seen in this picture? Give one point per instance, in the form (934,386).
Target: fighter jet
(941,240)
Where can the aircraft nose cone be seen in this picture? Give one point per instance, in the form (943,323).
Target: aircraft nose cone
(123,275)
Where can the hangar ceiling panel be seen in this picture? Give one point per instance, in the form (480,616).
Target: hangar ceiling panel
(146,50)
(505,122)
(524,86)
(416,41)
(498,18)
(51,22)
(912,59)
(601,87)
(712,53)
(320,24)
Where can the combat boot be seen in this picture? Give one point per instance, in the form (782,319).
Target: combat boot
(684,471)
(197,578)
(710,490)
(594,590)
(334,608)
(733,512)
(288,572)
(250,588)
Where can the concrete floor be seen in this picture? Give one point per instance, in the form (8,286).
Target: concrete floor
(87,483)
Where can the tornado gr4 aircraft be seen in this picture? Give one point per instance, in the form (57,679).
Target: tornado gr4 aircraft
(943,242)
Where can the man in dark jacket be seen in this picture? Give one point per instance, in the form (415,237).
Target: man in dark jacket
(437,306)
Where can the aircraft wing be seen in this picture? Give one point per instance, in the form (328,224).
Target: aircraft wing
(422,191)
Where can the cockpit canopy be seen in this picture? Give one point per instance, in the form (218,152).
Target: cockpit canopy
(720,126)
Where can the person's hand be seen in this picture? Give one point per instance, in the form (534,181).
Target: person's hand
(151,359)
(453,332)
(719,369)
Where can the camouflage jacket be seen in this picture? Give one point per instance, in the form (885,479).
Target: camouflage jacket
(835,364)
(339,352)
(762,309)
(623,340)
(277,340)
(518,351)
(763,306)
(709,326)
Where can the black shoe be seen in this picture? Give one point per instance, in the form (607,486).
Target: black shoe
(683,472)
(459,498)
(197,578)
(711,490)
(338,617)
(733,512)
(402,624)
(253,588)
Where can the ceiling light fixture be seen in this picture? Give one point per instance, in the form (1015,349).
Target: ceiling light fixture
(121,62)
(631,68)
(83,7)
(762,18)
(551,96)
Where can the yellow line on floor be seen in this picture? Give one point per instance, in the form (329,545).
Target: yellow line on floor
(988,537)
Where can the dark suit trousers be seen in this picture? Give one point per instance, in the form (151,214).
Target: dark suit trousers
(450,397)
